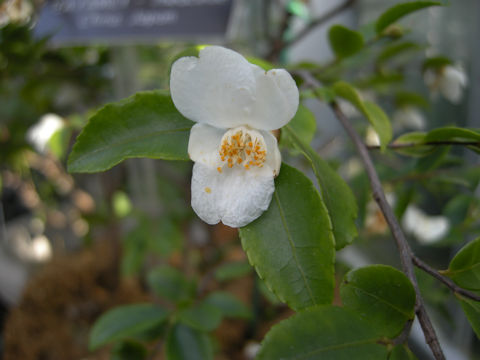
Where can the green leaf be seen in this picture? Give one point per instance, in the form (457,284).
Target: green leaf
(436,63)
(401,352)
(345,42)
(400,10)
(374,114)
(304,126)
(452,133)
(322,332)
(413,142)
(127,350)
(407,98)
(171,284)
(144,125)
(380,122)
(291,245)
(233,270)
(125,321)
(202,316)
(472,311)
(185,343)
(464,268)
(334,191)
(381,295)
(396,49)
(265,65)
(229,305)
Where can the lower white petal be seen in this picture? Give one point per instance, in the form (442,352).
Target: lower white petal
(236,196)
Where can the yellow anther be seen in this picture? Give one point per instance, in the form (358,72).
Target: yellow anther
(208,190)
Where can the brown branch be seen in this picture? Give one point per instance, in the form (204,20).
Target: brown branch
(405,252)
(400,240)
(445,280)
(281,44)
(394,146)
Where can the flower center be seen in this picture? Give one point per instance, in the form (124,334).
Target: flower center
(244,147)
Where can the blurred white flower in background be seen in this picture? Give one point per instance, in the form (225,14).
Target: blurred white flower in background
(371,137)
(409,117)
(235,105)
(15,11)
(449,80)
(427,229)
(40,134)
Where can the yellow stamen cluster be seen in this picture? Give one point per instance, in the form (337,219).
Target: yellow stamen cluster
(244,147)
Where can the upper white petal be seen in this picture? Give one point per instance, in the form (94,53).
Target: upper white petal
(451,84)
(217,88)
(236,197)
(277,99)
(203,144)
(274,158)
(223,89)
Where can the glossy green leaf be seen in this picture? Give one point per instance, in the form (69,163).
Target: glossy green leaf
(323,332)
(125,321)
(185,343)
(374,114)
(304,126)
(128,350)
(413,144)
(291,245)
(202,316)
(401,352)
(233,270)
(380,294)
(336,194)
(464,268)
(171,284)
(228,305)
(144,125)
(400,10)
(345,42)
(471,309)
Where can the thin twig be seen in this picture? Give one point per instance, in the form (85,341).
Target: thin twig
(281,44)
(428,143)
(403,247)
(449,283)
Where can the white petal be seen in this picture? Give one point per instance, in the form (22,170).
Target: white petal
(452,83)
(274,158)
(221,88)
(236,196)
(276,99)
(409,117)
(217,88)
(203,144)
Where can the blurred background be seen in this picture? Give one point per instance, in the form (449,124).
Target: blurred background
(75,245)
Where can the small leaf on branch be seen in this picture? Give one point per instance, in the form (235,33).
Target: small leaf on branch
(396,49)
(202,316)
(472,311)
(323,332)
(345,42)
(125,321)
(335,192)
(400,10)
(169,283)
(291,245)
(382,295)
(228,305)
(374,114)
(464,268)
(144,125)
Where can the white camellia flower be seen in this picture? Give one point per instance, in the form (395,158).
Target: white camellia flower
(235,105)
(427,229)
(449,80)
(409,117)
(40,134)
